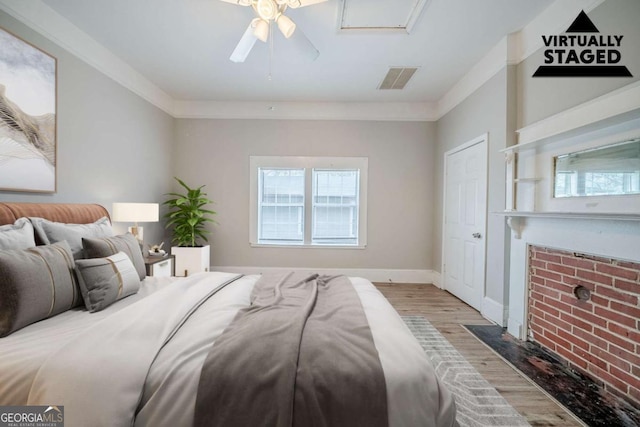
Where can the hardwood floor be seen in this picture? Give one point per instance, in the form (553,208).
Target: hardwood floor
(447,314)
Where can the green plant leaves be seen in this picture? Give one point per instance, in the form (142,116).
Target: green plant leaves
(187,216)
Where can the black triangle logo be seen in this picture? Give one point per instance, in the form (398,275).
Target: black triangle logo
(582,24)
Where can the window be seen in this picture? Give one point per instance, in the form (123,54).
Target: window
(281,205)
(308,201)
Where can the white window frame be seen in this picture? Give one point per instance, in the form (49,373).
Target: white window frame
(308,163)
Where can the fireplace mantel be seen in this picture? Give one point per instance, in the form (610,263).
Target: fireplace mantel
(607,226)
(515,219)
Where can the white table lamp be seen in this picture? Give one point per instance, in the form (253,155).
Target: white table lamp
(135,212)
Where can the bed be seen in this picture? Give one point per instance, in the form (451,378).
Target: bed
(214,348)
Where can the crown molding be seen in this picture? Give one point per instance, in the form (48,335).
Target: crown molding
(378,111)
(46,21)
(514,48)
(553,20)
(511,50)
(479,74)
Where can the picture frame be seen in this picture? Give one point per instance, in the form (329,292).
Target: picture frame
(28,116)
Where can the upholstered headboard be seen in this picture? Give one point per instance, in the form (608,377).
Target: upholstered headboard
(72,213)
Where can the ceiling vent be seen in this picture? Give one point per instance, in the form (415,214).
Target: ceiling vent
(397,77)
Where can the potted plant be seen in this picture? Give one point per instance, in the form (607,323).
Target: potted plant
(188,217)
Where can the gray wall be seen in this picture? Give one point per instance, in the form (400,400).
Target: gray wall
(113,146)
(543,97)
(513,99)
(400,197)
(489,110)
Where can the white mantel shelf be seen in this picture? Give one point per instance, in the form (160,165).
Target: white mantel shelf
(573,215)
(515,218)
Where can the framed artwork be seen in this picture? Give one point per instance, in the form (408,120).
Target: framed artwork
(27,117)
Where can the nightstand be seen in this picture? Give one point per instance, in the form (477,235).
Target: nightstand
(160,266)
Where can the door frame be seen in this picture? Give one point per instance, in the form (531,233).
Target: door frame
(482,139)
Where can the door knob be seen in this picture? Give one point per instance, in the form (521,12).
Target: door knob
(476,235)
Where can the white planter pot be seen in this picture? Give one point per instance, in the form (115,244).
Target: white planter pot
(191,260)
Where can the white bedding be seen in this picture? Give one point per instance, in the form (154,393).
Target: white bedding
(415,396)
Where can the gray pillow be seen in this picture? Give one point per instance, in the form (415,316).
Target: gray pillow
(52,232)
(18,235)
(107,246)
(103,281)
(36,283)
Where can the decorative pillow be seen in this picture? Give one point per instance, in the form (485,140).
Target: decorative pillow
(18,235)
(36,283)
(107,246)
(51,232)
(103,281)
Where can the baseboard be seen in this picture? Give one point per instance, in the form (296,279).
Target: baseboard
(372,274)
(436,279)
(516,329)
(493,311)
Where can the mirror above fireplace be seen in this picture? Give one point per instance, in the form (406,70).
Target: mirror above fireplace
(610,170)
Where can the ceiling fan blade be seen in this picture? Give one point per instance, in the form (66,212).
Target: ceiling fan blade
(302,44)
(301,3)
(244,46)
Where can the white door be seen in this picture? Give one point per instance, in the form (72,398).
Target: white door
(465,213)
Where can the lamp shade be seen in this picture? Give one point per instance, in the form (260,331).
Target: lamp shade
(286,26)
(261,30)
(135,212)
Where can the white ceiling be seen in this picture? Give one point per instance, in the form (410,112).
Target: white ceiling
(183,47)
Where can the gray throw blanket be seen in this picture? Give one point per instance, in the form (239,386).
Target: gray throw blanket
(301,355)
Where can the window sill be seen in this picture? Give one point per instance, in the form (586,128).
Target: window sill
(281,246)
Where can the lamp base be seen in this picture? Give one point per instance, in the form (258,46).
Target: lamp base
(138,233)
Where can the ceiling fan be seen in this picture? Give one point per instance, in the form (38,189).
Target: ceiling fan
(270,12)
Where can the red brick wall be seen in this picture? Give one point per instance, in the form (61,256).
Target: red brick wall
(599,337)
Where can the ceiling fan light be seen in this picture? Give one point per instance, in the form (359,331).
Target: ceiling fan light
(261,30)
(286,26)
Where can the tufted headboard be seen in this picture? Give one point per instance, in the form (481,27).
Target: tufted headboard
(73,213)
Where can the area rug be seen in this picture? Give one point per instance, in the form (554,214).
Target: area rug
(478,402)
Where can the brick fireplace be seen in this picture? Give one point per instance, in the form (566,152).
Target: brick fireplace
(586,309)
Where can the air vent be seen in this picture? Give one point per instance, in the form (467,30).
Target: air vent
(397,77)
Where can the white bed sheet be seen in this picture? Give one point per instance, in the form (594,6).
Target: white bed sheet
(24,351)
(415,396)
